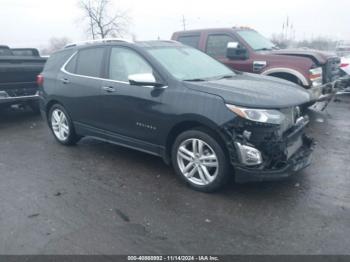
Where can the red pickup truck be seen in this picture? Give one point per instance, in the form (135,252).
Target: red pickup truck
(246,50)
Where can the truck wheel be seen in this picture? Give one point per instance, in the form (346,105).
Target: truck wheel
(62,126)
(200,161)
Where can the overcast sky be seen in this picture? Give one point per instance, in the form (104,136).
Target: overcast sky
(31,23)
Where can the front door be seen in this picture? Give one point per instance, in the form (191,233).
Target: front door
(217,47)
(129,110)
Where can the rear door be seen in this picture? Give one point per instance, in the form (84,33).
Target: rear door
(80,85)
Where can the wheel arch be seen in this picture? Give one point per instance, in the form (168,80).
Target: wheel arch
(188,124)
(288,72)
(49,105)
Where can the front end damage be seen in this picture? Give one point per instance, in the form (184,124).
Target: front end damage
(322,95)
(260,151)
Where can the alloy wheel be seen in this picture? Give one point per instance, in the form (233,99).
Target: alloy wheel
(197,161)
(60,125)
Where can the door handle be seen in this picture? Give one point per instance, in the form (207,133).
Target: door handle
(65,81)
(108,89)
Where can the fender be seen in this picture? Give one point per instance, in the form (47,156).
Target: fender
(294,72)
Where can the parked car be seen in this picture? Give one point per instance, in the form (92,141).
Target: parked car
(246,50)
(176,102)
(345,65)
(345,72)
(18,78)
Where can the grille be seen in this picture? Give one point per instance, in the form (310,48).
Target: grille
(331,70)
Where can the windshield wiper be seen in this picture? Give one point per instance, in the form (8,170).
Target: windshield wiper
(195,80)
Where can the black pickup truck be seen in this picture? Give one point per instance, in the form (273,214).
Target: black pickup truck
(18,77)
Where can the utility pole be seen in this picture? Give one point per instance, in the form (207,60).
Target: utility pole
(184,22)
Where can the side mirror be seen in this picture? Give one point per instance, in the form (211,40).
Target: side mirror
(236,51)
(146,79)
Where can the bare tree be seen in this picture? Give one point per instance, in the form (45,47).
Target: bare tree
(101,22)
(280,41)
(55,44)
(320,43)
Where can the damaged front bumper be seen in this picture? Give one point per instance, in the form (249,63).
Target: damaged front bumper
(298,161)
(269,154)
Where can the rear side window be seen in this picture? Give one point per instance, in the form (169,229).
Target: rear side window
(57,60)
(217,45)
(89,62)
(72,65)
(25,52)
(190,40)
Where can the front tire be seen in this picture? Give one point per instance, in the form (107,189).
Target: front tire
(62,126)
(200,160)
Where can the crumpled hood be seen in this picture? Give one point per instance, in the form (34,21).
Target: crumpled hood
(320,56)
(255,91)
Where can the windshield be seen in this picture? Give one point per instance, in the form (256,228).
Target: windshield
(186,63)
(256,41)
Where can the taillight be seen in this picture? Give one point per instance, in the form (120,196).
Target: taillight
(344,65)
(40,80)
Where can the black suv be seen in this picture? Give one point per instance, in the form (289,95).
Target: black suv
(174,101)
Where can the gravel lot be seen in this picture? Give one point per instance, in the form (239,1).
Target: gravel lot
(98,198)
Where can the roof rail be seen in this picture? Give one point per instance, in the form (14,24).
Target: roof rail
(105,40)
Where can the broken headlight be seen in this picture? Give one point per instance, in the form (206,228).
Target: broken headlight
(269,116)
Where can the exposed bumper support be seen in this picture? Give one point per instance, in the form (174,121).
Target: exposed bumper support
(300,160)
(321,96)
(283,154)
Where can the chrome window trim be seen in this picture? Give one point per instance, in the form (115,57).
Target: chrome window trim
(63,69)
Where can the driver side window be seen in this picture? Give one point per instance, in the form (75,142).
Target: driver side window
(217,44)
(125,62)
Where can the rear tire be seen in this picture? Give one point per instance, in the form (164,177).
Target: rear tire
(62,126)
(200,160)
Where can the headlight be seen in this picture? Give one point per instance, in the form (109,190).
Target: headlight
(248,155)
(259,115)
(315,76)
